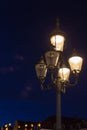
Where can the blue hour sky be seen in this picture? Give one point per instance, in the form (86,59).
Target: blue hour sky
(24,36)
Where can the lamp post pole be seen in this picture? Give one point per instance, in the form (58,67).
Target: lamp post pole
(60,73)
(58,109)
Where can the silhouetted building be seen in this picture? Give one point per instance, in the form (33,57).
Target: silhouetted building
(48,124)
(24,125)
(67,123)
(8,126)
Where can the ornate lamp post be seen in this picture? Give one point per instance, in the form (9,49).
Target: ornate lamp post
(60,74)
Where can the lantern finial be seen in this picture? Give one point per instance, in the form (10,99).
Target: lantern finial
(57,23)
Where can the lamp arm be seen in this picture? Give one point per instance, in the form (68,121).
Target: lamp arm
(48,87)
(70,84)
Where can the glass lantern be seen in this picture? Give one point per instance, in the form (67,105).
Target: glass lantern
(76,63)
(41,69)
(64,74)
(58,42)
(52,58)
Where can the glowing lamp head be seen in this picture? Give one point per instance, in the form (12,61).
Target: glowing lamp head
(58,42)
(32,125)
(26,125)
(39,124)
(76,63)
(64,74)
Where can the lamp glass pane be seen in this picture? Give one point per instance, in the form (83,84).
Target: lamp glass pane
(41,70)
(76,63)
(58,42)
(64,74)
(52,58)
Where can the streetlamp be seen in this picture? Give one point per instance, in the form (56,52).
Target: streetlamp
(60,74)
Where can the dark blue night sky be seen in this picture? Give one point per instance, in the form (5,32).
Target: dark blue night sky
(24,36)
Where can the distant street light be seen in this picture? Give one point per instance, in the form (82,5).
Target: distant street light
(55,66)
